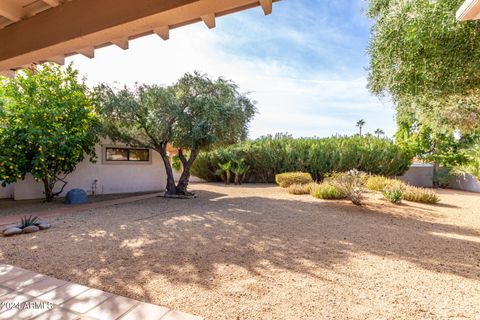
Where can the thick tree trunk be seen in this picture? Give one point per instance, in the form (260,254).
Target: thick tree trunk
(162,150)
(182,185)
(48,190)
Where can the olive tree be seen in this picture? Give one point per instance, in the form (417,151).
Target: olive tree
(196,113)
(47,126)
(426,60)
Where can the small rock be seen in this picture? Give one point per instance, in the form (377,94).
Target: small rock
(30,229)
(44,225)
(11,226)
(12,231)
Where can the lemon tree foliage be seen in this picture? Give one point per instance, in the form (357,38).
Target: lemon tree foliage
(47,126)
(427,62)
(194,114)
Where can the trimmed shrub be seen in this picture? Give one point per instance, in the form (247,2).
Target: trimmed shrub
(301,188)
(269,156)
(379,183)
(422,195)
(326,191)
(286,179)
(394,195)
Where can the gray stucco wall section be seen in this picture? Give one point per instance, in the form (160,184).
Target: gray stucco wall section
(419,176)
(465,182)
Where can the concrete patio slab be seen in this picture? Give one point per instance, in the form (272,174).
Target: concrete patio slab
(28,295)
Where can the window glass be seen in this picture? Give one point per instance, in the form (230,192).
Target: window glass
(117,154)
(127,154)
(138,155)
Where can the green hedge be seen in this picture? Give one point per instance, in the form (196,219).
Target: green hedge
(268,156)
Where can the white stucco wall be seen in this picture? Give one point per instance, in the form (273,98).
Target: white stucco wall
(6,192)
(112,177)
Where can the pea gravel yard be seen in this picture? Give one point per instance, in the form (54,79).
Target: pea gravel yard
(256,252)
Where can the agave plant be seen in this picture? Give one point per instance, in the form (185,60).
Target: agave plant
(28,221)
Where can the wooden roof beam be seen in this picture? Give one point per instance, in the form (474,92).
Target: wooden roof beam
(87,52)
(7,73)
(163,32)
(122,43)
(57,59)
(78,19)
(267,6)
(52,3)
(11,10)
(209,20)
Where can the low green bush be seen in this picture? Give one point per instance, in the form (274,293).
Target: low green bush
(286,179)
(421,195)
(394,195)
(442,177)
(326,191)
(300,189)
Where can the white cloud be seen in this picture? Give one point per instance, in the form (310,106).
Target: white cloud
(314,105)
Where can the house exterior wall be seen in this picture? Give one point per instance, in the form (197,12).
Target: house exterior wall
(6,192)
(119,177)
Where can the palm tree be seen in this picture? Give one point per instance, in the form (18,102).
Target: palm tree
(360,124)
(379,132)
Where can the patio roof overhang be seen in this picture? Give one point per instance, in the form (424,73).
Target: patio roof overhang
(36,31)
(470,10)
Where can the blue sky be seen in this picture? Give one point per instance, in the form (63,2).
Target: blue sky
(305,65)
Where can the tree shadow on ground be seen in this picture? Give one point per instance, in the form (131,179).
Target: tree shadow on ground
(186,241)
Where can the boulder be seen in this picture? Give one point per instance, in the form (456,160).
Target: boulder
(31,229)
(12,231)
(44,225)
(76,196)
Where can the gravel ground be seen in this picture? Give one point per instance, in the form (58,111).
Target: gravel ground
(9,207)
(256,252)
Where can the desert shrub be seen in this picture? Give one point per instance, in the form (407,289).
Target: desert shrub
(286,179)
(301,188)
(422,195)
(442,177)
(379,183)
(269,156)
(326,191)
(350,184)
(394,195)
(376,183)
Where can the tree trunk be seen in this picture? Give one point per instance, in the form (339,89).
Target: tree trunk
(435,172)
(48,190)
(237,179)
(228,174)
(162,150)
(182,185)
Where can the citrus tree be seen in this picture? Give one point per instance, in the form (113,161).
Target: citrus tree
(194,114)
(47,126)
